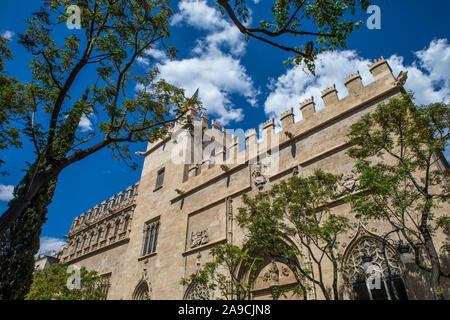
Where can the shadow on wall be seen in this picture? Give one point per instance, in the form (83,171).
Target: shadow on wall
(417,282)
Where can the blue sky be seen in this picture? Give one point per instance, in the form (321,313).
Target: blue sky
(241,84)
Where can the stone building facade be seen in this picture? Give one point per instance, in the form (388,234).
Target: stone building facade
(148,237)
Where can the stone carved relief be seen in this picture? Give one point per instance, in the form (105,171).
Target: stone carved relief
(259,179)
(348,184)
(273,274)
(199,238)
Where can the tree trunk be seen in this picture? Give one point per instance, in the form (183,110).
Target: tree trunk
(26,194)
(432,255)
(335,281)
(435,266)
(20,243)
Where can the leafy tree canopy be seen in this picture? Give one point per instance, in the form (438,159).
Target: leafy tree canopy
(74,76)
(403,174)
(298,209)
(321,25)
(11,106)
(51,284)
(222,274)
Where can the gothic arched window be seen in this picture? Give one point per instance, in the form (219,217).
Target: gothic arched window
(100,234)
(116,228)
(108,229)
(75,247)
(197,291)
(381,280)
(142,291)
(126,223)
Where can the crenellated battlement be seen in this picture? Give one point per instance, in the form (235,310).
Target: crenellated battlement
(380,68)
(114,204)
(358,95)
(352,77)
(287,113)
(107,224)
(306,102)
(268,124)
(228,152)
(376,63)
(328,90)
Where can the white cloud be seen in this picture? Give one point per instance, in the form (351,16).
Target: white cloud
(217,74)
(296,85)
(85,124)
(8,34)
(47,244)
(198,14)
(156,54)
(143,61)
(428,77)
(436,59)
(6,192)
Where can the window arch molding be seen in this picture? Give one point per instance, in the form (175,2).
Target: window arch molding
(197,291)
(385,261)
(247,275)
(142,291)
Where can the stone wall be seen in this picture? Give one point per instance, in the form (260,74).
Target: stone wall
(196,204)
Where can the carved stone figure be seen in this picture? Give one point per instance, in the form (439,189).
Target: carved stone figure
(285,149)
(273,274)
(285,271)
(348,183)
(259,180)
(199,238)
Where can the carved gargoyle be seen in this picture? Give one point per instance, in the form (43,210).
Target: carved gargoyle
(401,78)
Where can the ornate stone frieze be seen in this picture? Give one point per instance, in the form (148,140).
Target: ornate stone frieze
(101,226)
(143,290)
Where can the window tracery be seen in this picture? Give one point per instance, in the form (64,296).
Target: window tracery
(142,291)
(373,248)
(197,291)
(381,279)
